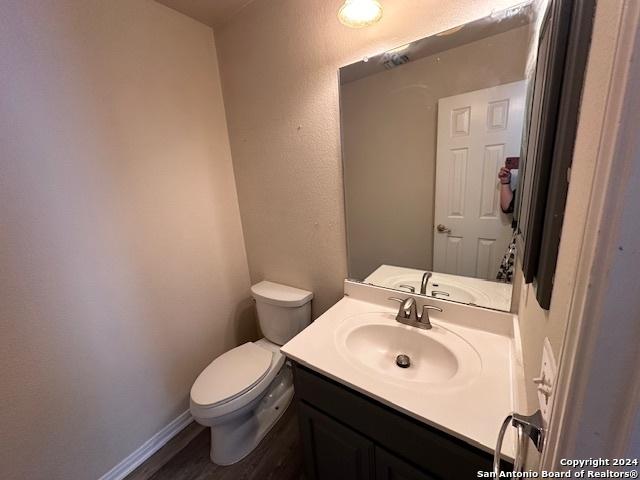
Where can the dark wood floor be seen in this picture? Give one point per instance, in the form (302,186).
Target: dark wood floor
(278,457)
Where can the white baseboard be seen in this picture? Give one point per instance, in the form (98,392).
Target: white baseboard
(148,448)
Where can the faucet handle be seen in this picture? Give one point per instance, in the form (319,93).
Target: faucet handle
(396,299)
(439,292)
(424,318)
(408,287)
(431,307)
(407,307)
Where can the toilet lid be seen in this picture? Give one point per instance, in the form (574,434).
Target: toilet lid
(231,374)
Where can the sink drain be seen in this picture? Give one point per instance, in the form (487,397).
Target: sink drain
(403,361)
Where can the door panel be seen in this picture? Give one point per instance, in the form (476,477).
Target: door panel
(390,467)
(476,132)
(457,182)
(331,450)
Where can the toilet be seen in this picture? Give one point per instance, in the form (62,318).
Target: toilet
(243,392)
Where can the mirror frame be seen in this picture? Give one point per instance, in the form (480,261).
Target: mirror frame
(566,33)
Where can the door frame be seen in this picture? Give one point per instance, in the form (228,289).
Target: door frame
(596,409)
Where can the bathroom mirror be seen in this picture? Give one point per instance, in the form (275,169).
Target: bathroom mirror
(432,133)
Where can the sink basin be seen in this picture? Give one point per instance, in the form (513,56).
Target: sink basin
(476,291)
(456,293)
(438,357)
(379,345)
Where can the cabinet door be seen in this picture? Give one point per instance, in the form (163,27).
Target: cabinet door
(331,450)
(390,467)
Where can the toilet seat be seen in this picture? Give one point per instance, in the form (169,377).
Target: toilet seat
(231,374)
(252,365)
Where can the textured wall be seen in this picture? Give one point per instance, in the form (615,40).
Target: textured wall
(121,249)
(390,123)
(279,62)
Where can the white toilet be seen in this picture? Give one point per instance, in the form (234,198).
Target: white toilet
(243,392)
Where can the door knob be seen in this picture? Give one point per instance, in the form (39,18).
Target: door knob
(443,229)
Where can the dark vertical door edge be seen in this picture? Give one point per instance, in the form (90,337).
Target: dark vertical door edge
(577,55)
(553,40)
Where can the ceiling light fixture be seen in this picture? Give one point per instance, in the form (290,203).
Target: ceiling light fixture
(360,13)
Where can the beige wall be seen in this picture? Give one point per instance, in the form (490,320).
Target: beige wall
(279,62)
(121,251)
(389,128)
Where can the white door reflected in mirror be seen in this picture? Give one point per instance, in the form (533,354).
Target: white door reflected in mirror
(477,131)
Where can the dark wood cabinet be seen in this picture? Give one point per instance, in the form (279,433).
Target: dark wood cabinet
(391,467)
(333,451)
(347,435)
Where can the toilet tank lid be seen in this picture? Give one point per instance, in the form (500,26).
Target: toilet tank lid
(282,295)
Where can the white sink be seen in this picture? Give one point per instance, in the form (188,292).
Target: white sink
(456,293)
(439,357)
(486,293)
(461,372)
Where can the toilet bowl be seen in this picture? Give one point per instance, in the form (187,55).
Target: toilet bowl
(243,392)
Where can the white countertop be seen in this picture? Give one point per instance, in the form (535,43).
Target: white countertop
(472,411)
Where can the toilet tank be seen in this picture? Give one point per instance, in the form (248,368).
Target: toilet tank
(283,311)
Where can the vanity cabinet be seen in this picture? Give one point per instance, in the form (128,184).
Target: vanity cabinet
(331,450)
(346,435)
(391,467)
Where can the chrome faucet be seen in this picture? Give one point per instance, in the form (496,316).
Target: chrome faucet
(408,313)
(425,280)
